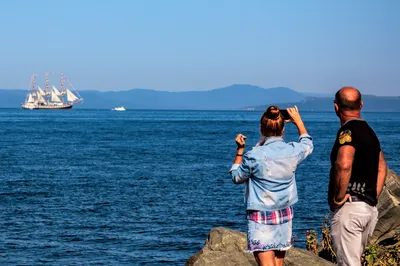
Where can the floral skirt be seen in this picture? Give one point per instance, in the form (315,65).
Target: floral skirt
(264,236)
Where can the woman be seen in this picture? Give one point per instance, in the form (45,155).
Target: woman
(268,172)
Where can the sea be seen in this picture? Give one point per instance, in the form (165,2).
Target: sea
(143,187)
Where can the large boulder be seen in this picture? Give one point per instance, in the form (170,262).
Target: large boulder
(389,210)
(228,247)
(223,247)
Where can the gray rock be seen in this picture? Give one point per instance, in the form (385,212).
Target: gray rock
(300,257)
(228,247)
(223,247)
(389,210)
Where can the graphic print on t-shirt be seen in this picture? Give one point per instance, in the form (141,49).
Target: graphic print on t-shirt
(356,187)
(345,136)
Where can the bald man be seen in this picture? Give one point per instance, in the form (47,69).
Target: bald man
(357,176)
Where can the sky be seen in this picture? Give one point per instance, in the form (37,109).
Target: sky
(172,45)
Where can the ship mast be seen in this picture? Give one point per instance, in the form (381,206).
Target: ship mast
(47,82)
(32,85)
(33,82)
(47,88)
(62,86)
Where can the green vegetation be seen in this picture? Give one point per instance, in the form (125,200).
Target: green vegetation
(374,255)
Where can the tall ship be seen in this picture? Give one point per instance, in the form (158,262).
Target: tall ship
(50,97)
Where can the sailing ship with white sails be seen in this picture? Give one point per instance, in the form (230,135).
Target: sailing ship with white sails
(50,97)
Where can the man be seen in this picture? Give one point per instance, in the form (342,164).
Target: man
(357,177)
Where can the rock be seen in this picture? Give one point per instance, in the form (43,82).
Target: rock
(228,247)
(299,257)
(223,247)
(389,210)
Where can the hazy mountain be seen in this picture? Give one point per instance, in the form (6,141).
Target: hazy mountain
(239,96)
(232,97)
(318,94)
(371,104)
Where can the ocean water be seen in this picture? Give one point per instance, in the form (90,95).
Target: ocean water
(97,187)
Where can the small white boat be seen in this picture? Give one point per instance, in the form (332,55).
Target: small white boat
(119,108)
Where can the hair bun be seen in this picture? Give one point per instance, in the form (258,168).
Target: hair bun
(272,113)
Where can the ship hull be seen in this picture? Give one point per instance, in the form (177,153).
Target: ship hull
(46,107)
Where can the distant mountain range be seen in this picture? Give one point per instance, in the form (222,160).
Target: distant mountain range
(371,104)
(235,97)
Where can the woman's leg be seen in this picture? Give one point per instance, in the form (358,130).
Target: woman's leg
(279,257)
(265,258)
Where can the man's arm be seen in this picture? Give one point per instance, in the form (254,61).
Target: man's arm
(342,172)
(382,171)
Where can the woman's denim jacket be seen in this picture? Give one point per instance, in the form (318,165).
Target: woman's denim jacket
(268,171)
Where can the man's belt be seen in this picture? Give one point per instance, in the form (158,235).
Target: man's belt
(356,198)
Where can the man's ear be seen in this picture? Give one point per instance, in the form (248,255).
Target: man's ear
(336,107)
(361,105)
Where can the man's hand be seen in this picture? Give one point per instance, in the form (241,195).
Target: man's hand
(382,172)
(337,204)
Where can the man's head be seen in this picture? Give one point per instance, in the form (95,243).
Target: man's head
(348,101)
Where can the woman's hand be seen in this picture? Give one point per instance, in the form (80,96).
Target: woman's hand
(240,141)
(294,114)
(296,119)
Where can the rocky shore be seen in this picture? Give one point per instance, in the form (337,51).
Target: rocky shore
(228,247)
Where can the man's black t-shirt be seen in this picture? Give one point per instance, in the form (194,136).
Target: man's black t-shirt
(364,174)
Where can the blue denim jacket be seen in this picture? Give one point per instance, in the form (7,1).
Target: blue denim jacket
(268,172)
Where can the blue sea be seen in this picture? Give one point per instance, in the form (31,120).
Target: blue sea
(142,187)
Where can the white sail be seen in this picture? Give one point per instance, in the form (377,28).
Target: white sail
(40,98)
(70,96)
(55,91)
(30,99)
(54,98)
(41,91)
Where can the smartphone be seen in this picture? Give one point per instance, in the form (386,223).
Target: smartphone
(285,114)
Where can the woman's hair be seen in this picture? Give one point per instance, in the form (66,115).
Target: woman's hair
(271,122)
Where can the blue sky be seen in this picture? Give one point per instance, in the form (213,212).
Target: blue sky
(313,46)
